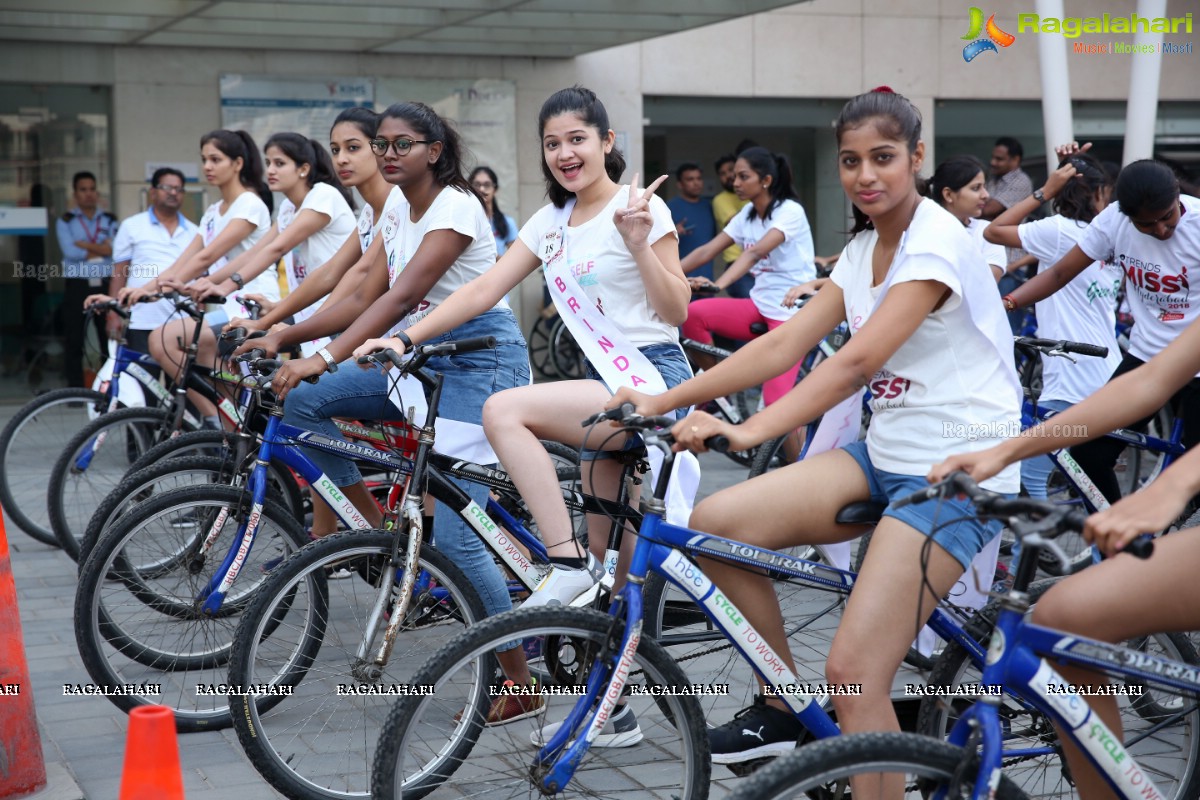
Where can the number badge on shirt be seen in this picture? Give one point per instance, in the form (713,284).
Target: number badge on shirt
(552,244)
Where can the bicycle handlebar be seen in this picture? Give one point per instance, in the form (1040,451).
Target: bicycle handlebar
(1058,518)
(423,353)
(107,305)
(627,415)
(1058,347)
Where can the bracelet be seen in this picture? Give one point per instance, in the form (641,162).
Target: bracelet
(1010,302)
(403,337)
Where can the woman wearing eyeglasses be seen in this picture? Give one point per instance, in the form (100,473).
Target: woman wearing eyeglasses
(433,243)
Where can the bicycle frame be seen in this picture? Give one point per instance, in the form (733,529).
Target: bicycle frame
(1013,661)
(661,547)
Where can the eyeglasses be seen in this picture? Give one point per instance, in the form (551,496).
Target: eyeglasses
(163,187)
(380,146)
(484,185)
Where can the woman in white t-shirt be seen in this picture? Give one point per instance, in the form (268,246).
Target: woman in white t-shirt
(777,248)
(619,247)
(356,168)
(930,340)
(959,186)
(1151,234)
(1085,309)
(314,220)
(228,228)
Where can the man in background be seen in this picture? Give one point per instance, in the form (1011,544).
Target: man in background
(85,236)
(693,214)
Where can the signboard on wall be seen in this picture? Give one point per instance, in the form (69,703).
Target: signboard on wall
(267,104)
(483,111)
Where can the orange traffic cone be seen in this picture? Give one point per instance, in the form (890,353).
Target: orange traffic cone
(151,756)
(22,769)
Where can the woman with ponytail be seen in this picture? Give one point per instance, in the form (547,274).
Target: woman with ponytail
(777,248)
(929,339)
(959,186)
(229,227)
(313,222)
(504,227)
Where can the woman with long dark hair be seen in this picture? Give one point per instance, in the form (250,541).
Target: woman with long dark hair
(504,227)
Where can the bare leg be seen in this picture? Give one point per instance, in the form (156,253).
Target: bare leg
(168,346)
(1120,599)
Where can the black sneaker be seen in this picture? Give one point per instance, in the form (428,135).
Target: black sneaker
(758,731)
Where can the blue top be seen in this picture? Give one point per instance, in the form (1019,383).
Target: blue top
(699,227)
(502,243)
(74,227)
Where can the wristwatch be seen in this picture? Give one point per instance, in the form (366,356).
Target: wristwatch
(329,361)
(241,284)
(1039,196)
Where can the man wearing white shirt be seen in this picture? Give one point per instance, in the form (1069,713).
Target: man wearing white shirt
(146,244)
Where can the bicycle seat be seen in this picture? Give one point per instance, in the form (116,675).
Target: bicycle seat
(867,512)
(758,328)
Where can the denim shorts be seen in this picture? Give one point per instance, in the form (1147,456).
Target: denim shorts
(671,363)
(961,538)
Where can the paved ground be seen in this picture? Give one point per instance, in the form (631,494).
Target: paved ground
(83,737)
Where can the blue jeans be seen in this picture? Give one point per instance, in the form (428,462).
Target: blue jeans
(470,378)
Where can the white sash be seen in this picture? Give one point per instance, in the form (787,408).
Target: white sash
(464,440)
(617,360)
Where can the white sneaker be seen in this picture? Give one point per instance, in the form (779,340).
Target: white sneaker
(621,730)
(562,585)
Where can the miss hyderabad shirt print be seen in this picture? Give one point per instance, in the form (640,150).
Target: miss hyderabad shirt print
(320,246)
(1158,274)
(453,209)
(1082,311)
(789,264)
(368,226)
(949,388)
(605,270)
(250,207)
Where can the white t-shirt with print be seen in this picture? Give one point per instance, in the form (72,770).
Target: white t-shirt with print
(1157,276)
(454,210)
(606,272)
(789,264)
(368,226)
(952,386)
(320,246)
(993,254)
(1082,311)
(248,206)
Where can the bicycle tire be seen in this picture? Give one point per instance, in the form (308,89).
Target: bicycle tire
(158,478)
(317,625)
(221,444)
(822,769)
(135,617)
(116,439)
(47,425)
(539,347)
(568,359)
(768,456)
(677,734)
(1029,728)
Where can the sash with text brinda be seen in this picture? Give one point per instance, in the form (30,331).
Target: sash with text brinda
(611,353)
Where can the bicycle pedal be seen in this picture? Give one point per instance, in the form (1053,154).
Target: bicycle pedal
(749,767)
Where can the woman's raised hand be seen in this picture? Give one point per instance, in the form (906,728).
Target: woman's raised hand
(634,221)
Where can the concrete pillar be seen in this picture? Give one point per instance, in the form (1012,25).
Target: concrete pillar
(1056,83)
(1142,109)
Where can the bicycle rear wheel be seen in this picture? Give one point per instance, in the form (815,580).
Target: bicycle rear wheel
(302,633)
(36,434)
(426,748)
(138,618)
(568,359)
(94,462)
(922,766)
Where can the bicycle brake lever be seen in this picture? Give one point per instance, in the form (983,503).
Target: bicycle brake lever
(1063,354)
(1037,540)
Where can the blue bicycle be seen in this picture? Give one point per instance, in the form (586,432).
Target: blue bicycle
(1158,759)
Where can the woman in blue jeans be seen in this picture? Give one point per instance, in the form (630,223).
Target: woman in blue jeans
(429,245)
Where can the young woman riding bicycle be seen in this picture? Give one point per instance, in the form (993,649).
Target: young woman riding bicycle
(929,337)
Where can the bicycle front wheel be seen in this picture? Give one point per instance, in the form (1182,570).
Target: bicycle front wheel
(905,764)
(37,433)
(439,742)
(301,637)
(138,613)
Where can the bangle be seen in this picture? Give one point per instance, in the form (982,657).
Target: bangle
(1010,302)
(403,337)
